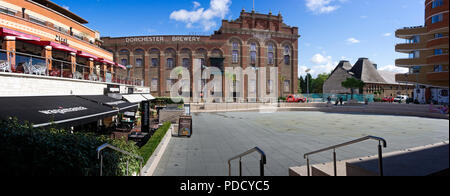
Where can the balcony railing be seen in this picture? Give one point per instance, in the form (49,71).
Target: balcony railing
(37,65)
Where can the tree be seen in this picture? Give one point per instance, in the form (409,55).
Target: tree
(301,85)
(352,84)
(317,83)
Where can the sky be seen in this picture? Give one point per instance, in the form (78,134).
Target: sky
(331,30)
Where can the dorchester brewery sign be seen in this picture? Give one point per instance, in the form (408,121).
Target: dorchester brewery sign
(162,39)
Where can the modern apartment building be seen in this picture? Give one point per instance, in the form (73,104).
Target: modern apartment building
(427,47)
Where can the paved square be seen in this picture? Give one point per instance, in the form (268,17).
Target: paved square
(285,137)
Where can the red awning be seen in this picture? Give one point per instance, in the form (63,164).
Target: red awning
(121,66)
(57,46)
(18,35)
(107,61)
(87,55)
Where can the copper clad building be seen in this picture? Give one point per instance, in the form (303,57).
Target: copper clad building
(253,40)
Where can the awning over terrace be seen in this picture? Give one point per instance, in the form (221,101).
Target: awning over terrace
(134,98)
(111,102)
(18,35)
(60,110)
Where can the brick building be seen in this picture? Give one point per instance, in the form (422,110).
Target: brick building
(253,40)
(376,81)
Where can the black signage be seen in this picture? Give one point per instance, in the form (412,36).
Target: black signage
(145,116)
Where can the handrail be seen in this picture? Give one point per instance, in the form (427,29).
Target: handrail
(380,152)
(262,162)
(104,146)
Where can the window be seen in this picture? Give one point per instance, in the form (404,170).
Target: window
(437,3)
(253,53)
(438,35)
(438,68)
(139,62)
(287,86)
(154,84)
(416,39)
(287,55)
(155,62)
(235,56)
(444,93)
(415,69)
(437,18)
(270,54)
(124,62)
(170,63)
(438,51)
(186,63)
(415,54)
(168,84)
(235,46)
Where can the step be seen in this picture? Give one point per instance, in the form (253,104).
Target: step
(418,161)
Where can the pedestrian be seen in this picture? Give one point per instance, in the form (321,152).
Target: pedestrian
(341,100)
(329,101)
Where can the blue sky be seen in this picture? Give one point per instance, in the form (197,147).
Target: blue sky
(331,30)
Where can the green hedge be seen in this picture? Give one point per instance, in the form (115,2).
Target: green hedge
(147,150)
(27,151)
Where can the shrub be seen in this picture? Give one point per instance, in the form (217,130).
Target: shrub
(54,152)
(147,150)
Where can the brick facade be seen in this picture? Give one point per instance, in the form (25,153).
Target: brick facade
(263,34)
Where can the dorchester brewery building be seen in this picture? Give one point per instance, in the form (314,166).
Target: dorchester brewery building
(253,40)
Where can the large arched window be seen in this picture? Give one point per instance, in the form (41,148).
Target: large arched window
(139,55)
(253,54)
(235,52)
(170,55)
(124,56)
(270,54)
(154,57)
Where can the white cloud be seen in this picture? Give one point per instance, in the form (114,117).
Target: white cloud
(393,68)
(387,34)
(66,7)
(201,16)
(196,4)
(353,41)
(322,6)
(321,64)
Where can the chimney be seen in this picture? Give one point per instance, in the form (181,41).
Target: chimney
(376,66)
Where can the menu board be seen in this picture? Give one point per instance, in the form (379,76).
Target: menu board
(185,126)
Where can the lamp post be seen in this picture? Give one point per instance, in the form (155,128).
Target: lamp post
(307,83)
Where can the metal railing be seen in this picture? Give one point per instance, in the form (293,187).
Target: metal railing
(38,65)
(380,152)
(104,146)
(262,162)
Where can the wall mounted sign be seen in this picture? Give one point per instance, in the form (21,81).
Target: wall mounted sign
(61,40)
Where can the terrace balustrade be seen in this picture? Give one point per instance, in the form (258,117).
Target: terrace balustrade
(37,65)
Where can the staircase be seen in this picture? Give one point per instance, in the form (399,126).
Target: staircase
(420,161)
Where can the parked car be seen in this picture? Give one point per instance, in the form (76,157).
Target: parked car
(296,99)
(401,98)
(388,99)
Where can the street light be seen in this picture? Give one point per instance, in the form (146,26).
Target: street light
(307,83)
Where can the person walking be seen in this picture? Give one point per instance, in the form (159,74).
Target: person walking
(329,101)
(341,100)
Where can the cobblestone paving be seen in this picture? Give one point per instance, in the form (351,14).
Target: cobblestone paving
(285,137)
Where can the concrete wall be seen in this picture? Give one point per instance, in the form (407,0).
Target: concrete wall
(17,85)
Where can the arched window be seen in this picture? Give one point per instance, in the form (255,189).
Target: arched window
(287,55)
(139,60)
(270,54)
(235,53)
(253,54)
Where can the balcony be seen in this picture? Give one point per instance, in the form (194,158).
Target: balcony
(441,42)
(437,59)
(437,76)
(408,47)
(410,31)
(406,78)
(410,62)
